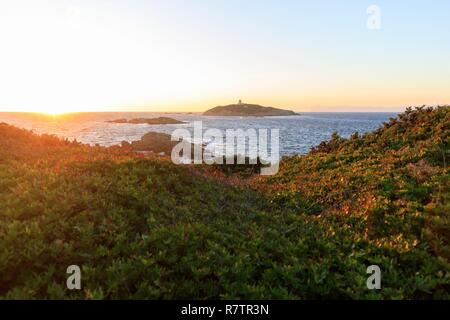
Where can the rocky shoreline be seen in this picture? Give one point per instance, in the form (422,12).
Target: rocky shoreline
(152,121)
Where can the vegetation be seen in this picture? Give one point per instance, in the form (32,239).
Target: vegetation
(141,227)
(159,120)
(247,110)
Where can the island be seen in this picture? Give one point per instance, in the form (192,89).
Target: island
(160,120)
(153,142)
(247,110)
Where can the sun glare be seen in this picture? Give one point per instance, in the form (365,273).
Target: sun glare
(51,110)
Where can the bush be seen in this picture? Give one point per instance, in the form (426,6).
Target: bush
(143,228)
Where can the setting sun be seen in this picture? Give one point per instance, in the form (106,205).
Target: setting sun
(51,111)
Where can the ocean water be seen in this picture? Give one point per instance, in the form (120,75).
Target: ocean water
(297,133)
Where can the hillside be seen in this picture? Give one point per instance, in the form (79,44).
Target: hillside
(247,110)
(143,228)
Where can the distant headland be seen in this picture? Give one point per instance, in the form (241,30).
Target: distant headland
(160,120)
(247,110)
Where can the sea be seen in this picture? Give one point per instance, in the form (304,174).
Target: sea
(297,133)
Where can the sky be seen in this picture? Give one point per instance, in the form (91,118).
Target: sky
(190,55)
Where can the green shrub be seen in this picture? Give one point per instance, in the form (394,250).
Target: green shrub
(143,228)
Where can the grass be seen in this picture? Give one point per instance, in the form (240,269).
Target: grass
(143,228)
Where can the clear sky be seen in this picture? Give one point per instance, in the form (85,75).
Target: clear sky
(190,55)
